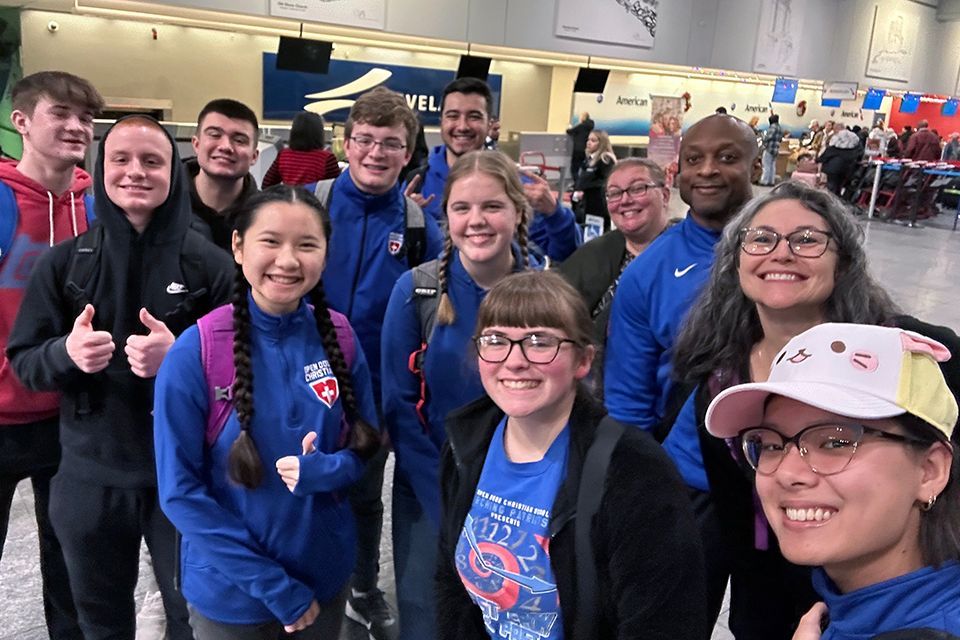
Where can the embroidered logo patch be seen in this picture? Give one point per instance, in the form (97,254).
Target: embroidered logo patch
(319,377)
(395,243)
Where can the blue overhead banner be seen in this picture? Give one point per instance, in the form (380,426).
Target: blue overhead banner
(287,93)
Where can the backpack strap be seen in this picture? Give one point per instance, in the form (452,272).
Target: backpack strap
(415,234)
(9,216)
(589,496)
(86,257)
(88,209)
(216,357)
(426,294)
(324,192)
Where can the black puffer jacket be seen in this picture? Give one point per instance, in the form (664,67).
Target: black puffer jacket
(646,544)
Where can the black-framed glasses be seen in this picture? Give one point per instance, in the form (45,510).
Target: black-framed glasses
(826,448)
(807,243)
(390,145)
(635,190)
(537,348)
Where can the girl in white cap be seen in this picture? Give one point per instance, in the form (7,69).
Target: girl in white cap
(850,440)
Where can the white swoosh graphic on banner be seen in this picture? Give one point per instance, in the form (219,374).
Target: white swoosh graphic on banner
(326,106)
(367,81)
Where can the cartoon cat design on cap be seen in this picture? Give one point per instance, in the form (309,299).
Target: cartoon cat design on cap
(858,371)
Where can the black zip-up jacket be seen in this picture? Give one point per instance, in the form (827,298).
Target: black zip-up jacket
(647,546)
(106,426)
(213,225)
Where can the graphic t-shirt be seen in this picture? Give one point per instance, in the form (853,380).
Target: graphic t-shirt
(503,554)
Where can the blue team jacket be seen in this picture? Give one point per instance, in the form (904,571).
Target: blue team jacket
(450,368)
(557,235)
(653,298)
(253,556)
(363,262)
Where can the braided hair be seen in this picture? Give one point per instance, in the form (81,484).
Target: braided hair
(500,167)
(244,464)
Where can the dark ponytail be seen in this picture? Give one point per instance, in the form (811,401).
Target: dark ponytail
(244,465)
(364,439)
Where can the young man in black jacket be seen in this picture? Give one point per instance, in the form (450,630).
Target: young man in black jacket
(98,317)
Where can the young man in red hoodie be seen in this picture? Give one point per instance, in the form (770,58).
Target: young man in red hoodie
(53,111)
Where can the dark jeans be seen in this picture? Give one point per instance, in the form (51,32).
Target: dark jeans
(325,627)
(576,163)
(33,451)
(415,542)
(100,529)
(365,498)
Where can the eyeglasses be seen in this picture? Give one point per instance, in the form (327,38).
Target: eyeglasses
(826,448)
(537,348)
(635,190)
(390,145)
(806,243)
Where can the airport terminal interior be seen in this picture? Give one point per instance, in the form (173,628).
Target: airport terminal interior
(807,80)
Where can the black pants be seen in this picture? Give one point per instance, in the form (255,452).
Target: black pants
(367,503)
(33,451)
(767,594)
(576,163)
(100,529)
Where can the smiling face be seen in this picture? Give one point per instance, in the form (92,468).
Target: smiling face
(639,218)
(781,280)
(862,524)
(57,131)
(716,159)
(375,170)
(536,394)
(137,161)
(464,122)
(225,147)
(593,143)
(482,220)
(282,254)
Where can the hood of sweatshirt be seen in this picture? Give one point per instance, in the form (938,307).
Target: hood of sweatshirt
(65,214)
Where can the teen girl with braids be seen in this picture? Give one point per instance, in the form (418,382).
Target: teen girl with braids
(268,538)
(486,240)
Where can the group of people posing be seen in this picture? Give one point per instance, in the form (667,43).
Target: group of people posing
(590,440)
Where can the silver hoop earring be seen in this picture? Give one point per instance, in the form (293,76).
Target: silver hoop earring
(926,506)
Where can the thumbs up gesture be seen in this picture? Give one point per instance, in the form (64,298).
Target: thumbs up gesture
(145,353)
(289,466)
(90,350)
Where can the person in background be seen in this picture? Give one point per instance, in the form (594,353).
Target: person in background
(53,112)
(493,136)
(812,141)
(593,176)
(840,158)
(578,134)
(99,315)
(905,136)
(771,148)
(268,541)
(219,177)
(512,471)
(851,441)
(487,213)
(951,150)
(305,160)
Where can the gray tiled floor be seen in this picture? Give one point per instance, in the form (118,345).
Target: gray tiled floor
(914,264)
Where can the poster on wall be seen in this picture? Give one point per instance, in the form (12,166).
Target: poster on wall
(892,42)
(369,14)
(629,22)
(778,36)
(666,125)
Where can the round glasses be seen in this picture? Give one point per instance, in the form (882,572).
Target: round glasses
(826,448)
(390,145)
(635,190)
(537,348)
(807,243)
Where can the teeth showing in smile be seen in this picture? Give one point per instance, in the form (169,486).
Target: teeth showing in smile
(781,276)
(284,279)
(520,384)
(809,515)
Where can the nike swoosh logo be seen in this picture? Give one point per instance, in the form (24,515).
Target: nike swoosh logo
(175,287)
(679,273)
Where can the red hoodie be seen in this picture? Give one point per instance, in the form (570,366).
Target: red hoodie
(44,220)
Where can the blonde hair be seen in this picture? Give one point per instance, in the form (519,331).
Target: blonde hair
(501,168)
(604,152)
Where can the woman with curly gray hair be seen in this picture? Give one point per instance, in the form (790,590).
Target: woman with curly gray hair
(792,259)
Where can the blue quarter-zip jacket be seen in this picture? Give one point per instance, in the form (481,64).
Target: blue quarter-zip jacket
(254,556)
(450,369)
(557,235)
(655,293)
(361,269)
(924,599)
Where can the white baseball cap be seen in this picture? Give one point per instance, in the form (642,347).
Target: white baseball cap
(853,370)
